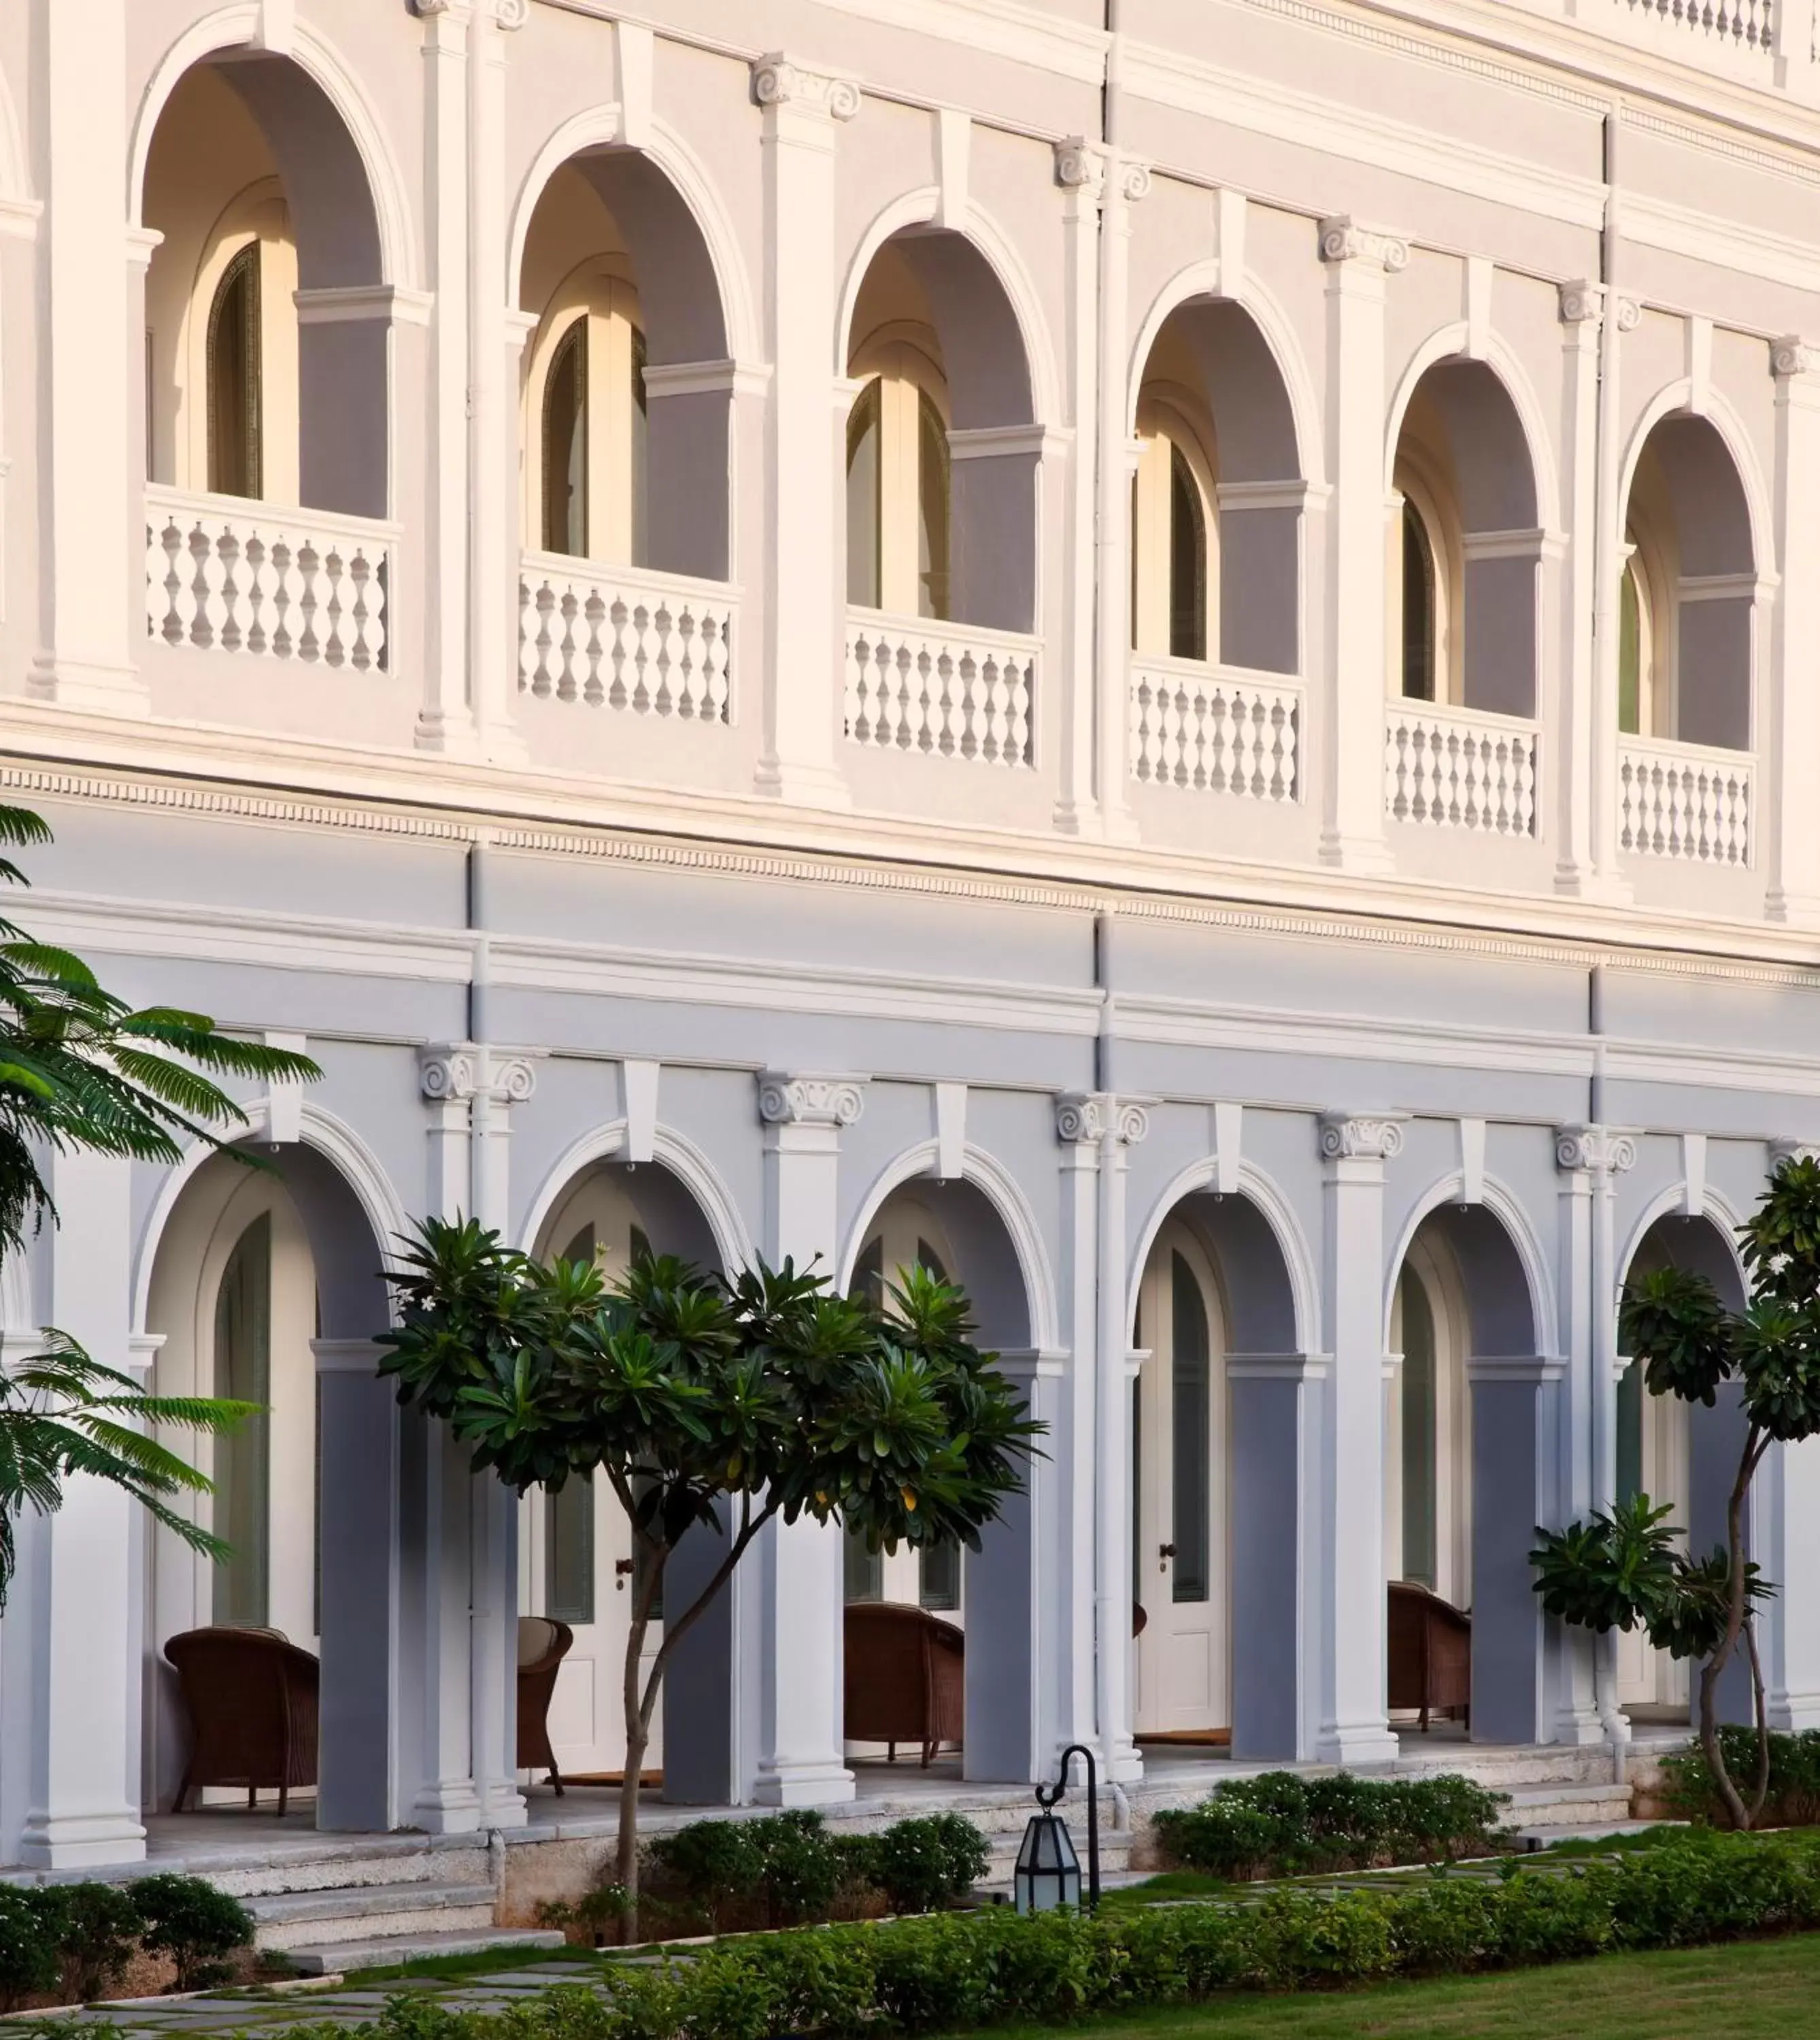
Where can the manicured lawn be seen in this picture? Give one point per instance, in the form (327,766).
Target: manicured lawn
(1736,1992)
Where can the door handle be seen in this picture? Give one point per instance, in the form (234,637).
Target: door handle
(622,1572)
(1164,1554)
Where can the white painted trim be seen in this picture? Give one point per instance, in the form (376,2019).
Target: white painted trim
(375,302)
(1496,1197)
(1678,397)
(1026,35)
(1671,1201)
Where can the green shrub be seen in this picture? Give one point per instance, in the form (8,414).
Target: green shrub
(95,1928)
(27,1945)
(921,1866)
(1794,1800)
(1280,1825)
(187,1920)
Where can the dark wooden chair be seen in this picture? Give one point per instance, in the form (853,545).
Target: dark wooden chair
(252,1698)
(1430,1654)
(542,1644)
(906,1677)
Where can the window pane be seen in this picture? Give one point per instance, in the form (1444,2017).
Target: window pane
(1630,1432)
(1418,1428)
(864,1570)
(565,445)
(1630,655)
(1418,618)
(1187,562)
(580,1247)
(868,1283)
(641,453)
(941,1583)
(233,379)
(932,496)
(1192,1419)
(930,1261)
(568,1566)
(243,1458)
(863,567)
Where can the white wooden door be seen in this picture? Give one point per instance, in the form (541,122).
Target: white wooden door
(1652,1451)
(576,1547)
(1179,1521)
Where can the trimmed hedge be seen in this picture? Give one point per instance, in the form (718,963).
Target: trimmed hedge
(76,1940)
(1279,1825)
(1794,1800)
(953,1972)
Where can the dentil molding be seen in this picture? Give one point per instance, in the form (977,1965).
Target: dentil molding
(780,81)
(1345,239)
(789,1100)
(1362,1137)
(1084,1117)
(1581,1148)
(452,1073)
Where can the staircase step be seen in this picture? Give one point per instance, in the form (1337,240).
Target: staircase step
(286,1920)
(330,1957)
(1567,1805)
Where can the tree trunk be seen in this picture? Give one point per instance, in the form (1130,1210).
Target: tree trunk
(637,1737)
(1739,1816)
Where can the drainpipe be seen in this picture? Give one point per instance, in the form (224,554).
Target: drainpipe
(1603,1428)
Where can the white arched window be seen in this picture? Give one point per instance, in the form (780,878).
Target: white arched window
(587,472)
(1646,631)
(1427,572)
(1174,547)
(898,484)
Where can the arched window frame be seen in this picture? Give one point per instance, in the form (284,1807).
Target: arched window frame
(1420,487)
(1651,560)
(1431,1264)
(258,217)
(900,362)
(1173,424)
(616,487)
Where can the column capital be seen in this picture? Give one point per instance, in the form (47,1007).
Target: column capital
(1361,1136)
(1095,170)
(788,1098)
(1582,302)
(1085,1117)
(1792,1150)
(1345,239)
(507,13)
(458,1072)
(1791,356)
(1579,1149)
(780,81)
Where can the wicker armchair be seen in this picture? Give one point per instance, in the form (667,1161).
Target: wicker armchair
(1430,1654)
(542,1645)
(252,1698)
(906,1677)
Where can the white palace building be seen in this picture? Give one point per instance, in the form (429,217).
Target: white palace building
(1165,653)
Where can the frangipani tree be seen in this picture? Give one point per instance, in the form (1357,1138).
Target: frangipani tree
(706,1402)
(1622,1569)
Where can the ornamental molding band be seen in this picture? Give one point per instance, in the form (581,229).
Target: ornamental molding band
(1793,355)
(786,1100)
(1376,1137)
(1345,239)
(1087,1116)
(1580,1148)
(451,1073)
(780,81)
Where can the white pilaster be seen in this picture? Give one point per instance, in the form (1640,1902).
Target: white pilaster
(1573,707)
(802,1761)
(1354,1726)
(1359,259)
(1080,173)
(1792,736)
(805,452)
(1077,1453)
(80,1606)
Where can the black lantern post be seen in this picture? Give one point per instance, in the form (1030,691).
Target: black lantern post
(1048,1873)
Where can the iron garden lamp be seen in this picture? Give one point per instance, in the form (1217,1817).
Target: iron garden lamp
(1047,1873)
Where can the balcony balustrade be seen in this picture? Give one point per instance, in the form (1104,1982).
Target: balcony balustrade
(1686,801)
(1460,768)
(625,637)
(943,689)
(227,574)
(1215,729)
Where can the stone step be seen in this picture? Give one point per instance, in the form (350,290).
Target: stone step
(330,1868)
(1567,1805)
(343,1957)
(291,1919)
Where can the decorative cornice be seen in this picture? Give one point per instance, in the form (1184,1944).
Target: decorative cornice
(1345,239)
(786,1099)
(779,80)
(451,1073)
(1791,355)
(1085,1117)
(1580,1149)
(1362,1137)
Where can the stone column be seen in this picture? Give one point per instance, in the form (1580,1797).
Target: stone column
(91,535)
(1591,1159)
(1571,713)
(1576,1712)
(1359,259)
(1788,1511)
(1354,1725)
(1076,1454)
(806,455)
(802,1761)
(76,1619)
(1274,1407)
(1790,734)
(1079,172)
(1514,1489)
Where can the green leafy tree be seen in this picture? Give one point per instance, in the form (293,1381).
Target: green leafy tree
(83,1070)
(707,1403)
(1622,1569)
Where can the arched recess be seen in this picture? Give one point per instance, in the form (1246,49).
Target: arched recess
(1697,555)
(1471,501)
(975,1230)
(941,508)
(265,1283)
(608,232)
(1682,1456)
(1212,399)
(1222,1510)
(1471,1425)
(226,129)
